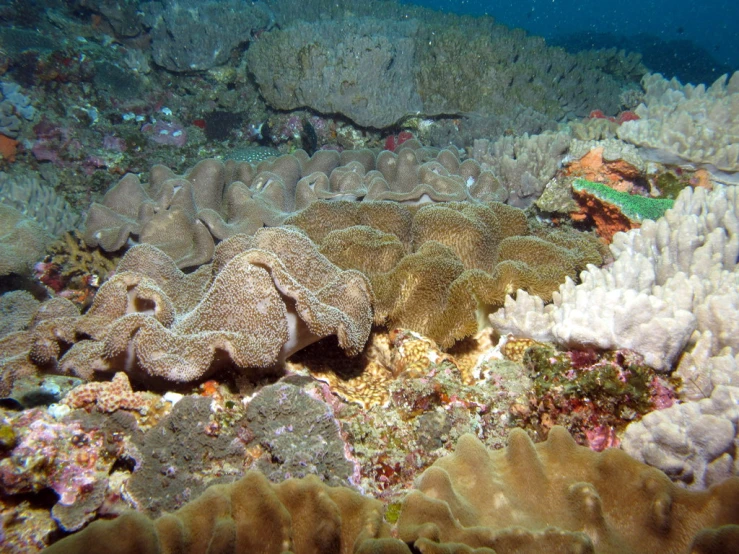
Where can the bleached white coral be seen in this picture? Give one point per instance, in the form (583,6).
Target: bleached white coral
(693,443)
(673,282)
(692,124)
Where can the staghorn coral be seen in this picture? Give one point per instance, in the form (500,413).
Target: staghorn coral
(268,297)
(556,496)
(689,124)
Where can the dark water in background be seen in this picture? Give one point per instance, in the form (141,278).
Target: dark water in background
(693,40)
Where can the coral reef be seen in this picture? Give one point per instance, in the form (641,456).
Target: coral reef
(72,457)
(374,89)
(26,193)
(670,278)
(15,109)
(555,495)
(73,270)
(193,36)
(185,216)
(461,258)
(252,514)
(613,211)
(107,396)
(408,79)
(688,124)
(180,456)
(282,302)
(300,435)
(609,161)
(16,310)
(695,443)
(593,395)
(524,163)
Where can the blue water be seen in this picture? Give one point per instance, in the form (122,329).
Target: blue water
(671,30)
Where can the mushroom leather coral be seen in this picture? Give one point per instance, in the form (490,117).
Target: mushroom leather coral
(251,515)
(185,216)
(268,296)
(442,268)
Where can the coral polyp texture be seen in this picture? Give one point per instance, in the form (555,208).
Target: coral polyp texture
(267,297)
(557,496)
(23,241)
(250,515)
(440,270)
(397,73)
(554,496)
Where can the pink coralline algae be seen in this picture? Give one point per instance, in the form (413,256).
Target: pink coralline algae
(115,144)
(602,437)
(61,455)
(109,396)
(53,143)
(165,133)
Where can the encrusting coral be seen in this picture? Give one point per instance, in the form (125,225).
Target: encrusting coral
(553,496)
(269,296)
(613,211)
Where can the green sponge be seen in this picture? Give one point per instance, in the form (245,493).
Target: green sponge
(633,206)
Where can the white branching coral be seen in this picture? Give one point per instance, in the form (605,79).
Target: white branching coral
(674,284)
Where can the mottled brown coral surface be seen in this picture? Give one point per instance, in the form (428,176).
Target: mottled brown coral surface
(251,515)
(558,496)
(264,298)
(551,497)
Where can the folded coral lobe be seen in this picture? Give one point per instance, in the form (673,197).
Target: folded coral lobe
(268,296)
